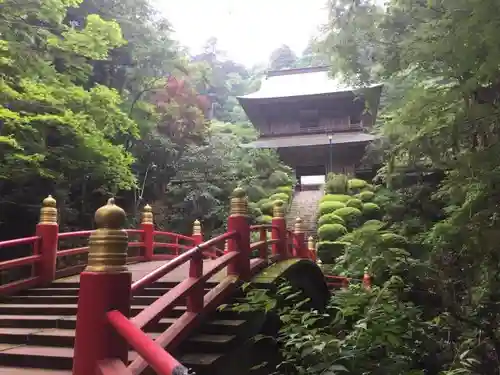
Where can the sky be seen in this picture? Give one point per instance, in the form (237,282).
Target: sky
(247,30)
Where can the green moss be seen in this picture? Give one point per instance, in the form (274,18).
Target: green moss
(329,207)
(331,232)
(330,219)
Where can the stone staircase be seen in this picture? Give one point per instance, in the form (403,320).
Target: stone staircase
(305,205)
(37,332)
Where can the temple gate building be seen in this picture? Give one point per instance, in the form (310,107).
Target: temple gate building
(317,124)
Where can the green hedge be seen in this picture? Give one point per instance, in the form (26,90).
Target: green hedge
(330,219)
(280,197)
(329,207)
(328,251)
(394,240)
(331,232)
(335,198)
(371,211)
(356,203)
(355,185)
(266,206)
(352,216)
(255,193)
(336,184)
(366,196)
(288,190)
(265,219)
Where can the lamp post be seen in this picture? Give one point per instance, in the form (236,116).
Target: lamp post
(330,139)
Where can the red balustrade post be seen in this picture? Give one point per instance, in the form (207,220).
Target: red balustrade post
(195,298)
(312,249)
(263,248)
(279,231)
(104,286)
(148,227)
(197,235)
(238,222)
(48,231)
(300,240)
(367,283)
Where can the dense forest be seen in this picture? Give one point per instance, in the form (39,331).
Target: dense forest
(98,99)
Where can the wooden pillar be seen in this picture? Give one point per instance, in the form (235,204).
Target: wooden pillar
(238,222)
(104,286)
(147,225)
(279,231)
(48,231)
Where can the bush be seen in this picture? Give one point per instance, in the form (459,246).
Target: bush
(355,185)
(280,197)
(355,202)
(371,211)
(265,219)
(330,219)
(331,232)
(392,240)
(255,192)
(350,215)
(369,187)
(288,190)
(366,196)
(266,206)
(329,207)
(374,223)
(328,251)
(335,197)
(254,210)
(279,178)
(336,184)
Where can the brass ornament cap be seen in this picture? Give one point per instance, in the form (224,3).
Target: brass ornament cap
(196,228)
(310,244)
(239,203)
(147,215)
(279,208)
(109,243)
(298,226)
(48,212)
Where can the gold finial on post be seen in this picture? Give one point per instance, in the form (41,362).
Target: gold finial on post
(48,212)
(310,243)
(279,208)
(239,203)
(108,244)
(147,215)
(299,228)
(196,228)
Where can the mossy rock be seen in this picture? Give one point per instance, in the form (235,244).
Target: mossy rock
(265,219)
(328,251)
(336,198)
(280,197)
(355,202)
(394,240)
(331,232)
(366,196)
(329,207)
(330,219)
(371,210)
(351,215)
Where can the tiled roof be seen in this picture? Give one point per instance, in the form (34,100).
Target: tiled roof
(299,82)
(311,140)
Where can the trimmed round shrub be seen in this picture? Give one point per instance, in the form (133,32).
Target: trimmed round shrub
(329,207)
(279,178)
(355,202)
(374,223)
(331,232)
(255,193)
(288,190)
(265,219)
(254,210)
(328,251)
(356,184)
(371,210)
(351,216)
(366,196)
(266,206)
(280,197)
(369,187)
(394,240)
(335,197)
(336,184)
(330,219)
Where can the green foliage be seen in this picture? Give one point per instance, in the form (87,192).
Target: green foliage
(330,219)
(255,193)
(366,196)
(279,178)
(329,207)
(350,215)
(288,190)
(371,210)
(280,197)
(356,203)
(393,240)
(265,219)
(266,206)
(331,232)
(336,184)
(355,185)
(328,251)
(336,197)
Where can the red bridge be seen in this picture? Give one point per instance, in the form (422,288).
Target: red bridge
(146,300)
